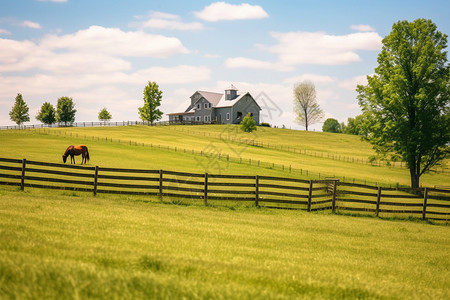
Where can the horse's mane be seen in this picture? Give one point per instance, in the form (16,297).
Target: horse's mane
(67,150)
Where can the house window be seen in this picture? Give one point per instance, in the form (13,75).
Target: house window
(206,118)
(197,119)
(228,116)
(239,115)
(199,106)
(207,105)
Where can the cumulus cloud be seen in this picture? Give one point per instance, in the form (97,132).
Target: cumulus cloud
(362,27)
(114,41)
(94,50)
(249,63)
(160,20)
(181,74)
(351,83)
(220,11)
(30,24)
(315,78)
(295,48)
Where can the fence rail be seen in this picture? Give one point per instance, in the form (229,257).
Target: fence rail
(264,191)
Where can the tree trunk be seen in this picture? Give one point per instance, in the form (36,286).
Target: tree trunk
(414,178)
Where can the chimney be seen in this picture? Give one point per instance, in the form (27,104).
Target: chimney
(231,93)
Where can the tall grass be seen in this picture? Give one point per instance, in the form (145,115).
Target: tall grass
(63,245)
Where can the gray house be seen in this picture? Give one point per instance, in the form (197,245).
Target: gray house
(227,108)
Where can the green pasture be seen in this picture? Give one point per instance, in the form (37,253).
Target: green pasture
(306,155)
(64,245)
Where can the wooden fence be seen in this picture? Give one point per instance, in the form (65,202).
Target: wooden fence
(264,191)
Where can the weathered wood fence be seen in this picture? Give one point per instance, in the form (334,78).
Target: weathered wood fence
(264,191)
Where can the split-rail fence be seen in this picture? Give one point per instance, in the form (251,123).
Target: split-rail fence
(263,191)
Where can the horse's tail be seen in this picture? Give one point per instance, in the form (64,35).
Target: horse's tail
(87,153)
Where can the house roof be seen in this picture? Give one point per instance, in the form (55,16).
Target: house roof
(229,103)
(217,100)
(212,97)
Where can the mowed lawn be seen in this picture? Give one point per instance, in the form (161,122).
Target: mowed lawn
(64,245)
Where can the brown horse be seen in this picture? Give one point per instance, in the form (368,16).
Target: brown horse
(76,150)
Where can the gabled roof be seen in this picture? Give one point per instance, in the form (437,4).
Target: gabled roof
(212,97)
(229,103)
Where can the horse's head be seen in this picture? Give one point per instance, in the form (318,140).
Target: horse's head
(64,158)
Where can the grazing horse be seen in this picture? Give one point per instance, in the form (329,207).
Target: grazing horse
(76,150)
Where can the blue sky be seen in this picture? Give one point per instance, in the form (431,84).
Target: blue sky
(103,53)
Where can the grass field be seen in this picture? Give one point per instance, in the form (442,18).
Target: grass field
(61,245)
(68,245)
(278,144)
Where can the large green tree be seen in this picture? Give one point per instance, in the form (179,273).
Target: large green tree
(306,107)
(65,110)
(152,100)
(406,102)
(19,112)
(47,114)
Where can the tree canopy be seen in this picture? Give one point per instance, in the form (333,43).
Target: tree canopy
(104,115)
(248,124)
(331,125)
(65,110)
(47,114)
(152,100)
(19,112)
(406,102)
(306,107)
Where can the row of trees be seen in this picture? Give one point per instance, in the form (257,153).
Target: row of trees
(64,113)
(406,103)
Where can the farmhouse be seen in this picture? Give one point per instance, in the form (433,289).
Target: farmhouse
(227,108)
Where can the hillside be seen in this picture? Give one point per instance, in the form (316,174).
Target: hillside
(217,149)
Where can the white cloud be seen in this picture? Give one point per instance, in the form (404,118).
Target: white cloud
(249,63)
(320,48)
(315,78)
(182,74)
(362,27)
(219,11)
(351,83)
(114,41)
(160,20)
(31,24)
(94,50)
(4,31)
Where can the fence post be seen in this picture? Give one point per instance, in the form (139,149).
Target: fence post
(333,202)
(95,180)
(310,194)
(160,184)
(377,210)
(257,191)
(22,179)
(425,199)
(205,197)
